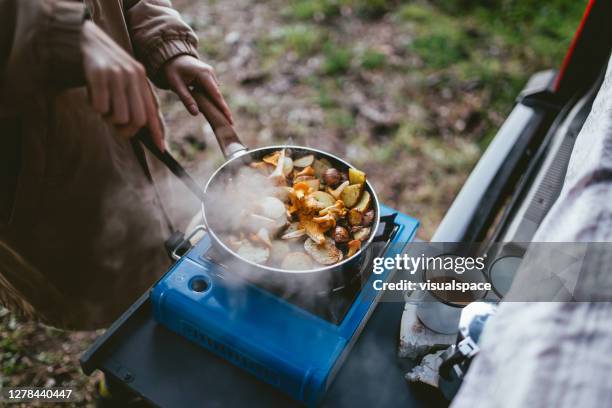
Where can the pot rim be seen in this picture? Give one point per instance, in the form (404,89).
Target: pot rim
(289,271)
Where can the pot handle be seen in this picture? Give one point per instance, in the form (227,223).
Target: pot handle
(228,139)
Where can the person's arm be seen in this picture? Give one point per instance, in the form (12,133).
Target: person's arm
(39,47)
(167,47)
(158,34)
(46,45)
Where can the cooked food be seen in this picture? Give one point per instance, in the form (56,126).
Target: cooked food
(332,177)
(341,235)
(351,194)
(253,253)
(325,253)
(310,213)
(297,261)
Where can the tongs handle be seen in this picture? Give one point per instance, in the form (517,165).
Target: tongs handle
(229,142)
(144,135)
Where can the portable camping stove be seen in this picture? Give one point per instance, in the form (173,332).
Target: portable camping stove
(295,345)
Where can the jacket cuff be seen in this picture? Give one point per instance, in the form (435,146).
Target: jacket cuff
(164,51)
(61,43)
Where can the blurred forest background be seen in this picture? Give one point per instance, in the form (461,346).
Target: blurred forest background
(409,91)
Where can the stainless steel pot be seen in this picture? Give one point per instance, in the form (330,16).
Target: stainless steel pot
(237,155)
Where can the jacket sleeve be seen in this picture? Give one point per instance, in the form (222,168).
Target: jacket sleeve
(39,46)
(158,34)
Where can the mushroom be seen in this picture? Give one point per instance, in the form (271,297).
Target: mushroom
(341,235)
(325,253)
(332,177)
(325,222)
(278,174)
(313,230)
(272,158)
(261,166)
(368,218)
(338,191)
(308,171)
(353,247)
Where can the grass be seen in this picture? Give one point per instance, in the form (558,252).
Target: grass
(337,59)
(303,40)
(373,60)
(320,10)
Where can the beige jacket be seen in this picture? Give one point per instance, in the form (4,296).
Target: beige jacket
(81,227)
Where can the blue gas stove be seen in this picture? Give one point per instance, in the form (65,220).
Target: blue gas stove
(293,344)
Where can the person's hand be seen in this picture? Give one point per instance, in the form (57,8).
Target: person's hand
(118,85)
(185,72)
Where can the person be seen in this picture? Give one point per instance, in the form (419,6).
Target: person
(547,348)
(82,219)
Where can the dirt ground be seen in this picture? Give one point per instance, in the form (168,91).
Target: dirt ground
(410,92)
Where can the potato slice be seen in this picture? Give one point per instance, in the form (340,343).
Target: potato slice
(263,236)
(253,253)
(355,217)
(325,199)
(320,165)
(297,261)
(326,253)
(364,202)
(356,176)
(287,166)
(278,251)
(254,222)
(362,234)
(271,207)
(304,161)
(350,195)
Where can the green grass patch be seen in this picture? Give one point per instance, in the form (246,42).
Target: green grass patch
(538,30)
(302,39)
(312,9)
(372,60)
(439,50)
(325,9)
(338,59)
(340,118)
